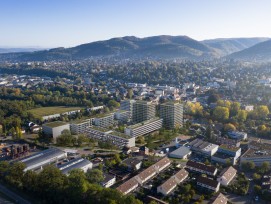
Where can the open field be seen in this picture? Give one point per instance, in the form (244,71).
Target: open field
(44,111)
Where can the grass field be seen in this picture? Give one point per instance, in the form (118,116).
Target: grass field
(44,111)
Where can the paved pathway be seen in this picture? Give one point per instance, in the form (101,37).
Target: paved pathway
(17,199)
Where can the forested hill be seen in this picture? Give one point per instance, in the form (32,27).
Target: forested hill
(157,47)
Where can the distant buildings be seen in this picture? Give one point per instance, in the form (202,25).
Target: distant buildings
(55,129)
(144,127)
(237,135)
(142,111)
(172,114)
(202,147)
(127,105)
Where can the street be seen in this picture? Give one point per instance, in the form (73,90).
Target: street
(17,199)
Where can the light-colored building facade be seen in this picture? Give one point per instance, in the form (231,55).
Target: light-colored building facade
(79,127)
(105,135)
(226,176)
(172,114)
(181,153)
(78,163)
(104,120)
(142,111)
(122,115)
(209,184)
(55,129)
(144,127)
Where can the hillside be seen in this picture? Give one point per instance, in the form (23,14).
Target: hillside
(164,47)
(230,45)
(258,52)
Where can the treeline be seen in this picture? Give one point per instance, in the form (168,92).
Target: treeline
(51,186)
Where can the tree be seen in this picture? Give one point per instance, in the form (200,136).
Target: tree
(242,115)
(130,93)
(14,174)
(81,139)
(213,98)
(95,176)
(78,185)
(229,127)
(234,108)
(257,189)
(248,166)
(221,113)
(265,167)
(65,139)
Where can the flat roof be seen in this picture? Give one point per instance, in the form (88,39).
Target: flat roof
(55,124)
(79,121)
(144,123)
(104,115)
(111,132)
(74,164)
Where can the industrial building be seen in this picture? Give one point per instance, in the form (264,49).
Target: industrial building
(180,153)
(38,160)
(142,111)
(104,120)
(201,147)
(79,126)
(106,135)
(144,127)
(55,129)
(172,114)
(78,163)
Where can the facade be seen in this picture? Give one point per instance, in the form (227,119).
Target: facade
(78,163)
(109,180)
(172,114)
(181,153)
(209,184)
(201,168)
(127,105)
(227,176)
(104,120)
(168,186)
(79,127)
(142,111)
(55,129)
(105,135)
(144,127)
(122,115)
(38,160)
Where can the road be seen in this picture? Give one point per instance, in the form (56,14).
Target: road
(18,199)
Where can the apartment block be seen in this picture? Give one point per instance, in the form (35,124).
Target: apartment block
(144,127)
(142,111)
(79,127)
(172,114)
(104,120)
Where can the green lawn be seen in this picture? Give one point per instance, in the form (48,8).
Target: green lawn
(44,111)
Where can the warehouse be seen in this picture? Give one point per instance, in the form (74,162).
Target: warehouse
(39,160)
(78,163)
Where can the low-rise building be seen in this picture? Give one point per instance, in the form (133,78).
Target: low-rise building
(201,168)
(144,127)
(237,135)
(227,154)
(132,164)
(228,141)
(55,129)
(78,163)
(181,153)
(168,186)
(38,160)
(116,138)
(202,147)
(128,186)
(109,180)
(79,126)
(226,176)
(219,199)
(209,184)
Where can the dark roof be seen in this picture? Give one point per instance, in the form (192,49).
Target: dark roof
(107,178)
(131,161)
(201,166)
(207,181)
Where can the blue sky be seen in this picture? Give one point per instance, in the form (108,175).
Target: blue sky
(53,23)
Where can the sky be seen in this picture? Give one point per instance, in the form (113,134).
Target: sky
(67,23)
